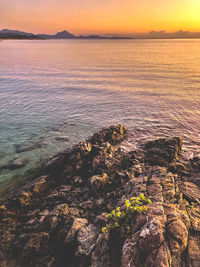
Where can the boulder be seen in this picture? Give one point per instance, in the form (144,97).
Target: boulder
(162,151)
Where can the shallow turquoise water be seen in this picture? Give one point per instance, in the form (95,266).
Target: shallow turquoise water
(74,87)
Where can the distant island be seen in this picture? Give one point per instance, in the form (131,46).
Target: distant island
(15,34)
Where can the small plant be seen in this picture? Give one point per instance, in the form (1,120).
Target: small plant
(124,216)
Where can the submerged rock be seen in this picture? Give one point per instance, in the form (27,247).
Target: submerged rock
(18,163)
(56,218)
(19,148)
(62,138)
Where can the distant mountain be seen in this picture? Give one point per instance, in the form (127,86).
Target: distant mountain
(58,35)
(14,34)
(64,34)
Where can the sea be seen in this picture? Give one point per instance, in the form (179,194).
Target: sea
(56,93)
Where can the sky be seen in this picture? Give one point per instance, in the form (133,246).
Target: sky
(100,16)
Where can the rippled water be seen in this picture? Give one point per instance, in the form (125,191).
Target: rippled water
(74,87)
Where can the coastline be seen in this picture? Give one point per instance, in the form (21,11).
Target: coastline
(56,216)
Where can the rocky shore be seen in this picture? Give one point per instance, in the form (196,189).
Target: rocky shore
(56,218)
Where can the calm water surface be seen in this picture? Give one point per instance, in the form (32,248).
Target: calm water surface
(72,88)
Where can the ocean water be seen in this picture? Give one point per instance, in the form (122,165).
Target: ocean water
(55,93)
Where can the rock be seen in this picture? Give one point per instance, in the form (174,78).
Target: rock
(55,217)
(44,212)
(55,166)
(62,138)
(85,148)
(113,135)
(18,163)
(40,185)
(195,178)
(99,182)
(194,214)
(52,219)
(178,231)
(180,168)
(27,147)
(100,255)
(151,236)
(161,258)
(25,198)
(162,151)
(195,164)
(37,186)
(37,245)
(3,211)
(86,238)
(155,157)
(76,226)
(191,191)
(193,256)
(130,251)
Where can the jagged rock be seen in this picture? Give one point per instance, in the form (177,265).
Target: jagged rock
(194,214)
(86,239)
(190,190)
(113,135)
(76,226)
(55,218)
(100,255)
(180,168)
(52,219)
(163,151)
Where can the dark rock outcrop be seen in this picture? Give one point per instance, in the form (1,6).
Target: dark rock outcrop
(56,218)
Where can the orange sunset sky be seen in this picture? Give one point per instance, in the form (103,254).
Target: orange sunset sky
(100,16)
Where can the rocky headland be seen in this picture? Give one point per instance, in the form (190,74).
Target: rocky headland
(61,216)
